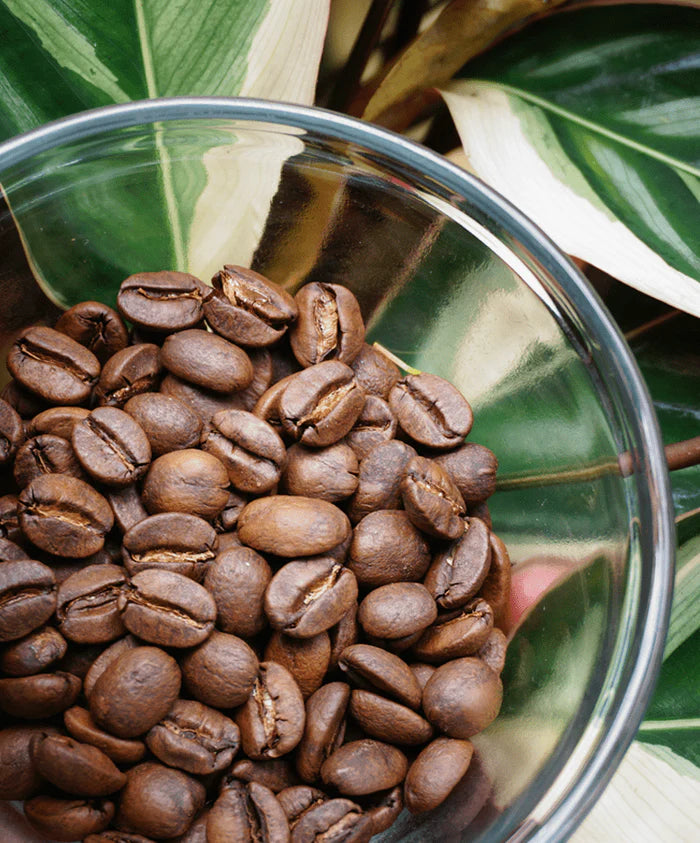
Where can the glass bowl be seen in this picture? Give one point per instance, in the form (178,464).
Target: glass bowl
(455,281)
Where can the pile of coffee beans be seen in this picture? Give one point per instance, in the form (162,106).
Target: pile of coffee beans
(248,584)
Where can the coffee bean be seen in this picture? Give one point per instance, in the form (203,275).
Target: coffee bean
(495,589)
(96,326)
(343,635)
(129,372)
(170,541)
(275,773)
(307,659)
(493,651)
(362,767)
(11,552)
(53,366)
(389,721)
(473,469)
(203,402)
(247,398)
(76,768)
(334,820)
(127,507)
(163,301)
(33,653)
(112,447)
(267,405)
(135,691)
(112,836)
(329,325)
(462,697)
(186,481)
(375,373)
(64,516)
(40,696)
(27,597)
(432,500)
(221,672)
(387,548)
(397,610)
(207,360)
(321,404)
(292,526)
(19,778)
(86,604)
(375,425)
(169,424)
(227,519)
(194,738)
(272,718)
(384,811)
(379,479)
(458,633)
(324,729)
(197,832)
(375,669)
(82,727)
(422,672)
(247,308)
(297,799)
(45,454)
(328,473)
(104,659)
(431,411)
(247,812)
(11,432)
(458,572)
(167,609)
(57,421)
(22,400)
(9,520)
(237,581)
(435,772)
(68,819)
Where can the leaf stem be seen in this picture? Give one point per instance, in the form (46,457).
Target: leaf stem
(394,359)
(635,333)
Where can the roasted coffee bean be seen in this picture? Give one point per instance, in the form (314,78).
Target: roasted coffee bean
(272,718)
(307,659)
(135,691)
(376,424)
(334,820)
(295,800)
(247,812)
(11,432)
(163,301)
(462,697)
(473,468)
(397,610)
(384,811)
(343,635)
(237,581)
(113,836)
(64,516)
(40,696)
(329,325)
(207,360)
(362,767)
(194,738)
(169,424)
(431,411)
(321,404)
(33,653)
(171,541)
(458,572)
(45,454)
(11,552)
(159,802)
(387,548)
(57,421)
(86,604)
(203,402)
(53,366)
(129,372)
(422,672)
(112,447)
(481,511)
(435,772)
(395,645)
(375,373)
(389,721)
(19,778)
(458,633)
(167,609)
(127,507)
(378,485)
(221,672)
(324,730)
(27,597)
(96,326)
(28,404)
(267,405)
(186,481)
(104,659)
(261,359)
(76,768)
(495,589)
(292,526)
(247,308)
(328,473)
(82,727)
(249,448)
(227,519)
(493,651)
(375,669)
(68,819)
(197,832)
(432,500)
(276,773)
(9,519)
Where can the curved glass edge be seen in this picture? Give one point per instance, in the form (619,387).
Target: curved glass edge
(581,305)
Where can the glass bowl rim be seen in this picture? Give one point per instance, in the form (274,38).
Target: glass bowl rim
(583,791)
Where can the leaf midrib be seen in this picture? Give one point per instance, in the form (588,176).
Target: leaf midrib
(597,128)
(670,725)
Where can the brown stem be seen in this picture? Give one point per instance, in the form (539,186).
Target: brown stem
(683,454)
(651,324)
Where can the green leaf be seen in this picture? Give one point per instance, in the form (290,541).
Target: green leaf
(685,612)
(589,121)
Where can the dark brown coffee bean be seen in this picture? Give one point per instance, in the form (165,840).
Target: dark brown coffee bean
(432,500)
(272,719)
(33,653)
(329,325)
(295,800)
(135,691)
(493,651)
(19,778)
(327,473)
(163,301)
(11,432)
(64,516)
(378,485)
(53,366)
(227,519)
(159,802)
(383,812)
(169,424)
(114,836)
(292,526)
(237,581)
(435,772)
(481,511)
(334,820)
(247,398)
(86,604)
(57,421)
(68,819)
(194,738)
(9,520)
(96,326)
(186,481)
(249,448)
(45,454)
(197,832)
(207,360)
(112,447)
(267,405)
(76,768)
(221,672)
(387,548)
(473,468)
(104,659)
(167,609)
(247,308)
(457,573)
(307,659)
(363,767)
(458,633)
(422,672)
(495,589)
(82,727)
(343,635)
(397,610)
(389,721)
(129,372)
(431,411)
(171,541)
(375,669)
(27,597)
(127,507)
(462,697)
(203,402)
(375,373)
(375,425)
(395,645)
(247,812)
(276,773)
(25,402)
(9,551)
(40,696)
(321,404)
(324,730)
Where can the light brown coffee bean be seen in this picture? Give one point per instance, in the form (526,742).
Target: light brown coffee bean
(362,767)
(186,481)
(105,658)
(82,727)
(40,696)
(329,325)
(19,778)
(375,373)
(435,772)
(207,360)
(68,819)
(327,473)
(473,468)
(45,454)
(375,425)
(57,421)
(275,773)
(221,672)
(127,507)
(422,672)
(76,768)
(493,651)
